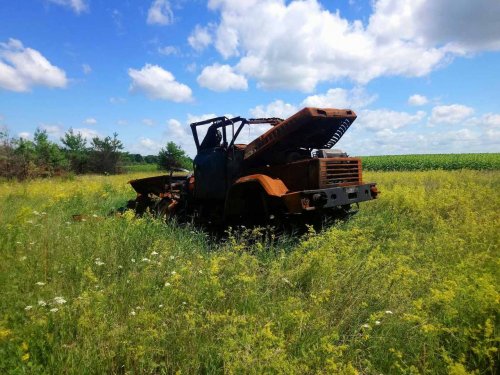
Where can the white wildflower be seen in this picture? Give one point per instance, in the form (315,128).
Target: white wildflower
(29,307)
(200,271)
(99,262)
(184,303)
(36,213)
(365,326)
(160,306)
(145,260)
(60,300)
(120,267)
(388,312)
(54,309)
(377,322)
(173,273)
(84,219)
(167,284)
(94,215)
(39,283)
(18,242)
(132,260)
(43,213)
(41,302)
(32,243)
(153,253)
(132,313)
(171,257)
(285,280)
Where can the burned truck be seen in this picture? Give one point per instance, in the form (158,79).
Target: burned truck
(288,172)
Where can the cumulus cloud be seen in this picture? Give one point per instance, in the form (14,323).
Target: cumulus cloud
(340,98)
(87,133)
(297,44)
(158,83)
(160,13)
(168,50)
(278,108)
(417,100)
(24,135)
(200,38)
(221,78)
(491,120)
(149,145)
(148,122)
(55,131)
(78,6)
(450,114)
(90,121)
(22,68)
(384,119)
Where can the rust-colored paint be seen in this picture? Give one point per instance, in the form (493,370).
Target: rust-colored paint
(273,186)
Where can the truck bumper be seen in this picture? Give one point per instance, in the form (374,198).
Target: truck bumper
(309,200)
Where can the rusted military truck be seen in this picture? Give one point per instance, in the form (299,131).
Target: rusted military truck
(290,171)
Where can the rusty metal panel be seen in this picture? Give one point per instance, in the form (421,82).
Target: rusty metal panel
(308,128)
(272,186)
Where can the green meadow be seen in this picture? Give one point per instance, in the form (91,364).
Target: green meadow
(409,285)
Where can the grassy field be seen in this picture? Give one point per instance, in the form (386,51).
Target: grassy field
(432,162)
(409,285)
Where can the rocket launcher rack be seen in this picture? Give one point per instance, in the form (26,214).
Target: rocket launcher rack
(310,128)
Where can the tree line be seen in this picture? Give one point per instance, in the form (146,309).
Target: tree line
(21,158)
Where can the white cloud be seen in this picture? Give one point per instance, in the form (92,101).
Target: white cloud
(150,145)
(87,69)
(24,135)
(158,83)
(90,121)
(87,133)
(168,50)
(78,6)
(200,38)
(148,122)
(221,78)
(197,118)
(450,114)
(491,120)
(467,26)
(278,108)
(384,119)
(177,130)
(417,100)
(340,98)
(22,68)
(122,122)
(160,13)
(55,131)
(297,44)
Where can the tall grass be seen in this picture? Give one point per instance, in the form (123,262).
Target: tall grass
(409,285)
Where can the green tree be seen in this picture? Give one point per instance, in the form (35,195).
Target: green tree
(49,156)
(75,147)
(105,154)
(173,157)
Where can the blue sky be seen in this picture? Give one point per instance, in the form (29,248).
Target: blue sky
(422,75)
